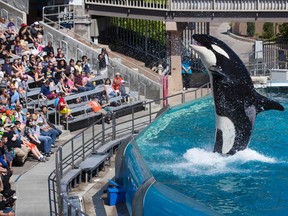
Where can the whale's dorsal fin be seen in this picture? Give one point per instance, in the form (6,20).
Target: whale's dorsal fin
(263,103)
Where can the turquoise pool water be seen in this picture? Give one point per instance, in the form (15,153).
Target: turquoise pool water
(178,149)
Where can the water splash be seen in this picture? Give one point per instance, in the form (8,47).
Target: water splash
(197,161)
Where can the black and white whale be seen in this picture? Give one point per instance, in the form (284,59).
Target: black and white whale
(236,101)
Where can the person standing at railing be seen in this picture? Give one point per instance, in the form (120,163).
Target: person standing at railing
(103,70)
(186,72)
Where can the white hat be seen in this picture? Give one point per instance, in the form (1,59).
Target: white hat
(36,23)
(117,73)
(8,125)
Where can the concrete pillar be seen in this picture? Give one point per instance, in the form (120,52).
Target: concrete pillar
(175,31)
(82,22)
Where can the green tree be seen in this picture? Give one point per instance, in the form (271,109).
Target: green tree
(283,30)
(250,29)
(268,30)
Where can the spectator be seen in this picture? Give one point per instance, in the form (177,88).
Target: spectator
(11,27)
(117,82)
(186,72)
(102,65)
(7,67)
(36,30)
(4,98)
(70,68)
(78,82)
(63,107)
(18,49)
(6,159)
(35,137)
(85,65)
(17,68)
(38,76)
(44,129)
(51,57)
(21,151)
(32,147)
(36,49)
(109,88)
(24,33)
(32,64)
(60,87)
(49,48)
(60,55)
(96,107)
(45,90)
(15,98)
(124,94)
(106,56)
(78,66)
(44,111)
(70,83)
(59,70)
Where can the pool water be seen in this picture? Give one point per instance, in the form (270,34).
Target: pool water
(178,149)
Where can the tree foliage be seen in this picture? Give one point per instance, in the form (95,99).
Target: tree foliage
(268,30)
(250,29)
(283,30)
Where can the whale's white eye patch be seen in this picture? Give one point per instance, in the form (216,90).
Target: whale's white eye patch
(220,51)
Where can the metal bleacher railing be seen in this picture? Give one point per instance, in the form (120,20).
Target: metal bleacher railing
(86,142)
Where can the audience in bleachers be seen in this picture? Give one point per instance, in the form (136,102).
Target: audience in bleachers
(27,65)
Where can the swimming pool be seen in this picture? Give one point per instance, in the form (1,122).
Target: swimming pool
(178,149)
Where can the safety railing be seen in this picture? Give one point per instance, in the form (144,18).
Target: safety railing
(200,5)
(77,149)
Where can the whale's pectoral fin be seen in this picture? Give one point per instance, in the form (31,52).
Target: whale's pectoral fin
(264,103)
(216,70)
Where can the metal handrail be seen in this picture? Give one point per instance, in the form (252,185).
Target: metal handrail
(81,145)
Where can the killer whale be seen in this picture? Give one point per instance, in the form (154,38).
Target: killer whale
(236,101)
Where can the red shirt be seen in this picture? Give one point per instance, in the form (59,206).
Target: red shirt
(117,83)
(61,100)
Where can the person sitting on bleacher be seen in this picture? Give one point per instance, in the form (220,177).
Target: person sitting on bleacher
(36,30)
(17,68)
(79,83)
(15,98)
(11,27)
(34,136)
(70,68)
(49,48)
(63,106)
(18,49)
(60,55)
(85,65)
(109,88)
(36,49)
(7,67)
(78,66)
(38,76)
(50,124)
(24,33)
(13,143)
(32,147)
(45,90)
(45,130)
(4,98)
(70,83)
(60,87)
(59,70)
